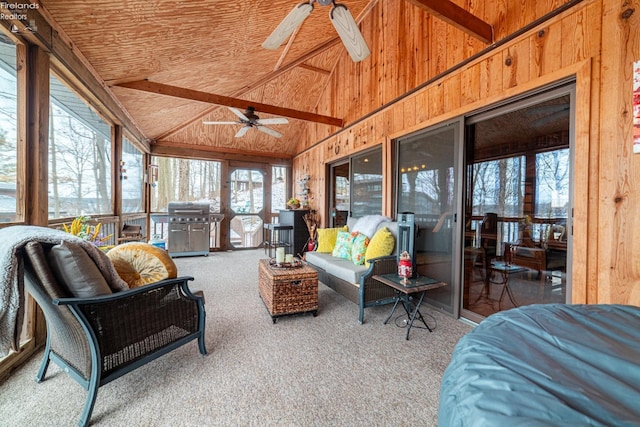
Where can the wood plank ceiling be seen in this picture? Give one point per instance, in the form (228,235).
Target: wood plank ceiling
(214,47)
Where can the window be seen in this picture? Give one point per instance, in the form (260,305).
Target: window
(9,211)
(366,188)
(552,184)
(187,181)
(498,186)
(132,178)
(278,188)
(79,156)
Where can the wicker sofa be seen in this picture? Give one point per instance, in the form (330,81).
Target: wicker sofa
(355,281)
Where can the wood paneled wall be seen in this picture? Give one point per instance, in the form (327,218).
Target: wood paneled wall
(572,44)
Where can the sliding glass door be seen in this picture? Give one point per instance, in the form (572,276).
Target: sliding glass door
(427,185)
(518,205)
(355,187)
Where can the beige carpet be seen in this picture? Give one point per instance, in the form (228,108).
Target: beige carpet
(301,371)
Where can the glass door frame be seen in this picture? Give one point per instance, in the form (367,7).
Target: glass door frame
(457,209)
(264,214)
(566,87)
(331,190)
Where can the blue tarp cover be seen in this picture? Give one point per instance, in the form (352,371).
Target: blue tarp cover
(546,365)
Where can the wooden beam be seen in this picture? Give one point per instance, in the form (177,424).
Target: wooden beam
(182,150)
(281,69)
(315,69)
(195,95)
(454,15)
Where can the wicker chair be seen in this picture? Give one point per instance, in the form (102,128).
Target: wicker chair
(99,339)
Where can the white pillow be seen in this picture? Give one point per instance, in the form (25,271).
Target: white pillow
(368,224)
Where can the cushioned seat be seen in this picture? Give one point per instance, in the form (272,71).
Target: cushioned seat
(101,335)
(351,275)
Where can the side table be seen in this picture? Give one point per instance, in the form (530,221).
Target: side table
(404,292)
(505,271)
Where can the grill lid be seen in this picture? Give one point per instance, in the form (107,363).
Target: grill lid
(188,212)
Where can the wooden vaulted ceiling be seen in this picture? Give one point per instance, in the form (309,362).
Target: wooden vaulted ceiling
(170,64)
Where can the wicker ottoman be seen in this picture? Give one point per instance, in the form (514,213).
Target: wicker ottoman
(288,291)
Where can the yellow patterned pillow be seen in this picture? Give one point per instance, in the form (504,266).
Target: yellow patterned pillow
(141,263)
(381,244)
(327,238)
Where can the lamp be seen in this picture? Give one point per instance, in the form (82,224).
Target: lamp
(341,19)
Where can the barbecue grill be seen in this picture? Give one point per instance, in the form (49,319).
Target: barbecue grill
(189,226)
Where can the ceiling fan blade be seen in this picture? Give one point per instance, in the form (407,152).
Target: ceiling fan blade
(268,131)
(288,25)
(349,32)
(239,113)
(242,131)
(219,123)
(273,121)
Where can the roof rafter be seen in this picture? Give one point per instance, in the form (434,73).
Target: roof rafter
(454,15)
(195,95)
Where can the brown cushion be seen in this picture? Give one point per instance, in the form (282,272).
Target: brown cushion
(141,263)
(42,269)
(76,271)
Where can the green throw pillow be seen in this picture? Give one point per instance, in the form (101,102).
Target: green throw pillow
(344,242)
(359,248)
(381,244)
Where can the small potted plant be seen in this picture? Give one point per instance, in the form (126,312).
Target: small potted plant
(293,203)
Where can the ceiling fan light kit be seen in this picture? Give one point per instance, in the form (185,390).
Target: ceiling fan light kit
(341,19)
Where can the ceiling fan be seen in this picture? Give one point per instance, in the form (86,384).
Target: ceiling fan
(341,19)
(249,120)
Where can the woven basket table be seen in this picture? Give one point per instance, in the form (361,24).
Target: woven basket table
(288,290)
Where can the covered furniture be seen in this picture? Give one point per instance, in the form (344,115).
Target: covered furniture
(546,365)
(97,339)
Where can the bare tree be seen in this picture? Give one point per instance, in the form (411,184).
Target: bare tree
(101,164)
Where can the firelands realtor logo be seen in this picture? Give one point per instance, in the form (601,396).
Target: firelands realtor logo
(18,12)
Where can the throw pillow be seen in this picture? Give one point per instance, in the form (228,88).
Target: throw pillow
(344,242)
(359,248)
(139,263)
(75,270)
(327,238)
(368,224)
(381,244)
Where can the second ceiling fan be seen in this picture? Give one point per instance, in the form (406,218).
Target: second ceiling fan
(249,120)
(341,19)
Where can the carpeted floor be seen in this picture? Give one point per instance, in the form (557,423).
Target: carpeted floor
(301,371)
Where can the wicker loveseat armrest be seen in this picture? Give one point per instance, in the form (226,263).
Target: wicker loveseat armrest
(127,327)
(373,292)
(382,265)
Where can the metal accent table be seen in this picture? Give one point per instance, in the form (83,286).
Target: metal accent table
(505,270)
(419,285)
